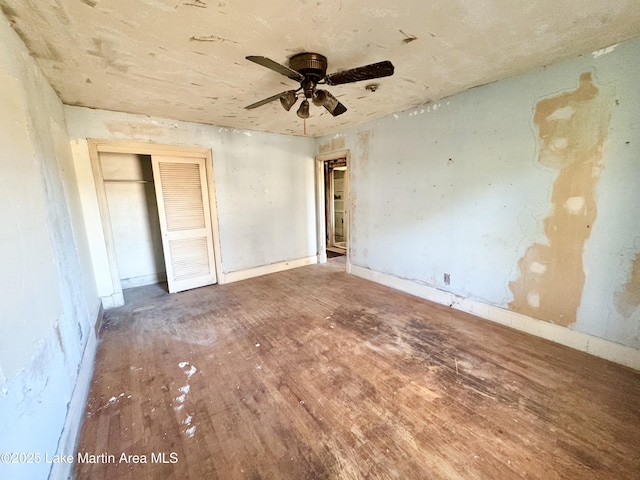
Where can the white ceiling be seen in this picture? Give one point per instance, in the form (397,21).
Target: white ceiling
(185,59)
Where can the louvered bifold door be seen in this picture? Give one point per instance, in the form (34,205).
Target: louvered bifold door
(185,221)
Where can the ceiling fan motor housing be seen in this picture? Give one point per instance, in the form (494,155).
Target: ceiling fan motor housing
(314,68)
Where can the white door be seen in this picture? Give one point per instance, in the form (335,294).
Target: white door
(185,221)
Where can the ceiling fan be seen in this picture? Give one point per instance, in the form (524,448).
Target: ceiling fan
(310,69)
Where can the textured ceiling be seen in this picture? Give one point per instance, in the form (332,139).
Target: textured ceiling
(185,59)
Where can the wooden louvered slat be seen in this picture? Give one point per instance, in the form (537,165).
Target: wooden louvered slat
(189,257)
(182,193)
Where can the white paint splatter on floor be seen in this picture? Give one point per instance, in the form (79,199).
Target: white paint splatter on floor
(189,370)
(114,399)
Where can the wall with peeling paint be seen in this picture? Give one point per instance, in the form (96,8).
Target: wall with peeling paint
(472,185)
(49,299)
(264,186)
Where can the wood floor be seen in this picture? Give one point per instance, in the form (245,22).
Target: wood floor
(316,374)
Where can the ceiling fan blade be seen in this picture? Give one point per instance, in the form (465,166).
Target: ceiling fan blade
(267,100)
(276,67)
(331,103)
(368,72)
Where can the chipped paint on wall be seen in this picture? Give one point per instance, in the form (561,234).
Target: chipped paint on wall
(628,298)
(476,216)
(604,51)
(572,132)
(49,303)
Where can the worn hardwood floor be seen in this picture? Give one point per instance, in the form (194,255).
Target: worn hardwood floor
(315,374)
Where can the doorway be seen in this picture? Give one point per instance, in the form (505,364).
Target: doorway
(133,214)
(332,186)
(158,213)
(335,194)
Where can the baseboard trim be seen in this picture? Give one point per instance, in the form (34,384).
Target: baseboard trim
(112,301)
(143,280)
(266,269)
(75,409)
(599,347)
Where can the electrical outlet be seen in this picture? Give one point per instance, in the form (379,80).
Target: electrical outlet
(447,279)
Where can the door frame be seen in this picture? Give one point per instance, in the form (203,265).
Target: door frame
(321,226)
(98,146)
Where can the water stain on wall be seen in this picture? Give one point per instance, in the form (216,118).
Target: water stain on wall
(628,298)
(363,144)
(572,130)
(332,145)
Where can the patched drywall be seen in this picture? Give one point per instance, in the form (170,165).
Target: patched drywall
(333,145)
(264,186)
(49,300)
(572,130)
(537,172)
(628,297)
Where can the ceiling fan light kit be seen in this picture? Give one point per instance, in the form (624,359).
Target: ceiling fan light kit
(319,98)
(310,70)
(303,111)
(288,99)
